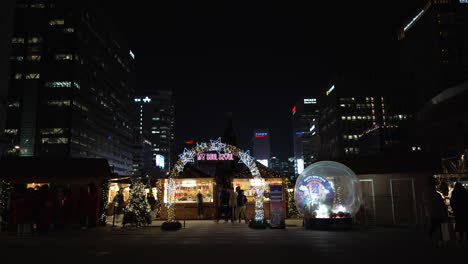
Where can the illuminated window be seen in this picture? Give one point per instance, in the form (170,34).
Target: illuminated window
(68,30)
(14,105)
(11,131)
(52,131)
(17,40)
(35,40)
(60,140)
(33,76)
(17,58)
(57,22)
(63,57)
(187,190)
(343,117)
(18,76)
(34,57)
(62,84)
(58,102)
(37,5)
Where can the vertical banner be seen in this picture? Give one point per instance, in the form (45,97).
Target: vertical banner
(276,205)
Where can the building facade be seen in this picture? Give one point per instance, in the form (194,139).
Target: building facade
(155,126)
(434,49)
(262,146)
(7,11)
(306,139)
(353,125)
(70,86)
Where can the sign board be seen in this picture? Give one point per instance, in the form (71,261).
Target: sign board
(276,205)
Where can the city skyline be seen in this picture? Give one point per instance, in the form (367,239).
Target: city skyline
(251,63)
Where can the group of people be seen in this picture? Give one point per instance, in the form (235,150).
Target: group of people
(43,209)
(457,199)
(231,205)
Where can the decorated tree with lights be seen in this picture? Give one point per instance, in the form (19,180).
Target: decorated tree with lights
(138,209)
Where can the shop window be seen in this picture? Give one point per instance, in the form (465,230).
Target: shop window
(246,186)
(187,190)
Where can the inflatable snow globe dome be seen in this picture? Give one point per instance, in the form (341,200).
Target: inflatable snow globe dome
(328,189)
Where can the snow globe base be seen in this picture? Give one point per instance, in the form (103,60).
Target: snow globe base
(171,226)
(328,223)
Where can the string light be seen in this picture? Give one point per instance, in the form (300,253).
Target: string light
(218,146)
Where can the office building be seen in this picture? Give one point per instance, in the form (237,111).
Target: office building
(352,124)
(261,146)
(306,139)
(71,84)
(7,11)
(434,49)
(155,124)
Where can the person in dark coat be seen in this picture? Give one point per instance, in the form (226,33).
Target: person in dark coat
(459,203)
(200,205)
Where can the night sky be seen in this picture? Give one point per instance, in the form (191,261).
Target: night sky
(252,59)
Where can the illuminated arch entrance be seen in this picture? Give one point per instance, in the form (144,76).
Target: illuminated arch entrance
(225,151)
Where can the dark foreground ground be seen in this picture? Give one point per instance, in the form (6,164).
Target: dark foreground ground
(208,242)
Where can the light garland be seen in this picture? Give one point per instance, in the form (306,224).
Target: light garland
(216,145)
(138,209)
(5,190)
(104,201)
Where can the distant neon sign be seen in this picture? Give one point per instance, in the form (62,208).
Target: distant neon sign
(260,135)
(215,156)
(189,142)
(294,110)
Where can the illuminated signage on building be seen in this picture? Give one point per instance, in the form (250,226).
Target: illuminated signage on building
(146,99)
(294,110)
(310,101)
(188,142)
(160,161)
(260,135)
(330,90)
(215,156)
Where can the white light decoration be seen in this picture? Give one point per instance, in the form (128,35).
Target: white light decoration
(187,156)
(257,183)
(217,145)
(246,158)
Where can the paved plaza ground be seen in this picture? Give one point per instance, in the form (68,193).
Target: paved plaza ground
(210,242)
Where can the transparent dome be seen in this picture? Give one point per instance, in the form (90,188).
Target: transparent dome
(328,189)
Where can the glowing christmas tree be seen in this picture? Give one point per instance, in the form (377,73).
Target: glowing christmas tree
(138,209)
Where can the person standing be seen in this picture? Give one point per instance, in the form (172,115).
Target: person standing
(241,206)
(232,204)
(200,205)
(459,203)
